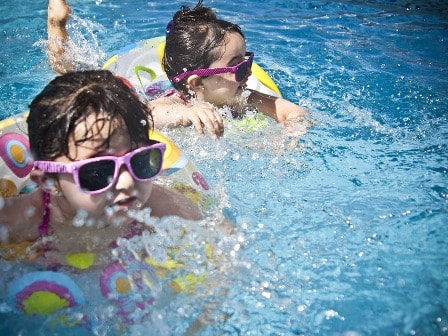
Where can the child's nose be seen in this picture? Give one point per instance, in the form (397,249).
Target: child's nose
(124,179)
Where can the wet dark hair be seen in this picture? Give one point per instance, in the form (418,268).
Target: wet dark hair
(191,41)
(69,99)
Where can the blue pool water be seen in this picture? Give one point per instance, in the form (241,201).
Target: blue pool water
(345,228)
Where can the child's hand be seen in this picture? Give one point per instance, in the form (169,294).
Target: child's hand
(201,115)
(296,127)
(204,115)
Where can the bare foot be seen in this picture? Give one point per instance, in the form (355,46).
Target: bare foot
(58,12)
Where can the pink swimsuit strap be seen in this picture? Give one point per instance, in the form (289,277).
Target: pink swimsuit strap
(44,227)
(135,231)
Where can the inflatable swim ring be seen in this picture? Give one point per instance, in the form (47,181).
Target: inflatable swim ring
(132,287)
(179,172)
(141,64)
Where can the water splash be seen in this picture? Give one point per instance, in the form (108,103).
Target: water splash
(83,47)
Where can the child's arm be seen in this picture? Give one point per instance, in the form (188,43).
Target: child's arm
(166,202)
(167,112)
(277,108)
(58,14)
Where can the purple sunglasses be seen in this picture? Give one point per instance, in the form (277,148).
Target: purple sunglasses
(96,175)
(240,70)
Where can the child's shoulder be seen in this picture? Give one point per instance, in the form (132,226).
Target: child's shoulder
(20,216)
(167,98)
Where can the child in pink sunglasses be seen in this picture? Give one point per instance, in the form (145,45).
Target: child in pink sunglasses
(94,166)
(207,63)
(88,135)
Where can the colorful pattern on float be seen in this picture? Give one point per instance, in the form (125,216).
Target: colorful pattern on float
(43,293)
(16,163)
(141,64)
(129,283)
(123,285)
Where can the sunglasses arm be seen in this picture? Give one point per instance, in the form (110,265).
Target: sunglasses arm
(53,167)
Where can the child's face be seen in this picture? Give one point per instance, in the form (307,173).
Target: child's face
(125,194)
(223,89)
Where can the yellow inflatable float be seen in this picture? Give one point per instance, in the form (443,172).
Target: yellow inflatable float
(179,172)
(141,64)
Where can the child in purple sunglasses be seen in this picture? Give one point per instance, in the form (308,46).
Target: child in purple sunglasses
(206,61)
(88,134)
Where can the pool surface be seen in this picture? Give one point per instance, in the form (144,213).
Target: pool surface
(345,228)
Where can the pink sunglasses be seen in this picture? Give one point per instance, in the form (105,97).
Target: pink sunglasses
(96,175)
(240,70)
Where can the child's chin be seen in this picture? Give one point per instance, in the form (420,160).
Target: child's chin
(119,217)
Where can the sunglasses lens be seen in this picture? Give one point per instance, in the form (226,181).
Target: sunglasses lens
(147,164)
(241,72)
(96,175)
(250,61)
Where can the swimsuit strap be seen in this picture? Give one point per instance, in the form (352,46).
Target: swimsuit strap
(45,225)
(136,230)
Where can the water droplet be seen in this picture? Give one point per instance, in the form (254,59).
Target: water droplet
(266,294)
(4,233)
(301,308)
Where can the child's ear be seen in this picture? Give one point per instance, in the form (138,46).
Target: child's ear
(46,183)
(195,83)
